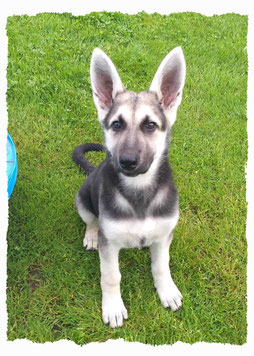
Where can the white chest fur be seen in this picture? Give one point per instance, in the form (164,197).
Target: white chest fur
(127,233)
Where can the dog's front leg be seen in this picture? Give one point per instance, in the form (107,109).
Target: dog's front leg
(113,309)
(168,292)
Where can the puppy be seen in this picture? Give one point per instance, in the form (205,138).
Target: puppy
(130,199)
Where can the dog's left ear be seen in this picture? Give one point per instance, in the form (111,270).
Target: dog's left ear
(105,81)
(168,82)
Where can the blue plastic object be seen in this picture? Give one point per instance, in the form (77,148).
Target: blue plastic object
(12,164)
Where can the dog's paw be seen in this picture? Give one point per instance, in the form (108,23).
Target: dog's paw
(90,241)
(114,313)
(170,296)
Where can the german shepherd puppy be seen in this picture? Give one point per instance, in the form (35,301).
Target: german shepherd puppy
(130,199)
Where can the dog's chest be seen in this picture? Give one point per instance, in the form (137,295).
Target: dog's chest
(132,232)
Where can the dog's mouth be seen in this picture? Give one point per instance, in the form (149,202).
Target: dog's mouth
(133,173)
(131,170)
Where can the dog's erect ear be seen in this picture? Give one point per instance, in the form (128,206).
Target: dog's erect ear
(168,82)
(105,81)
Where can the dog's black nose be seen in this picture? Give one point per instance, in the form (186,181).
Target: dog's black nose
(128,162)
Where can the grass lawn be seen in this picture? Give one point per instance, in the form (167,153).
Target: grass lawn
(53,284)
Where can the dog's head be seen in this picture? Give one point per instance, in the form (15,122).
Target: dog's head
(136,125)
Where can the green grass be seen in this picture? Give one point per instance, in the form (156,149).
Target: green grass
(53,284)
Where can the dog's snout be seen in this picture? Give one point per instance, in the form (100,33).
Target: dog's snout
(128,162)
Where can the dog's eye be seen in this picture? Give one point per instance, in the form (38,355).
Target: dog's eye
(116,125)
(150,126)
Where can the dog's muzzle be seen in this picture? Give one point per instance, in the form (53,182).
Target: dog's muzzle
(128,162)
(130,166)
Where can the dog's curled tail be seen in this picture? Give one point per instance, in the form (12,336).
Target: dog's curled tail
(80,160)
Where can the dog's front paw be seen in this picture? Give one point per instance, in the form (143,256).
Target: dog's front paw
(170,296)
(114,312)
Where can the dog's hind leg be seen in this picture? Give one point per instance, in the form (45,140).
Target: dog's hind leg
(90,241)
